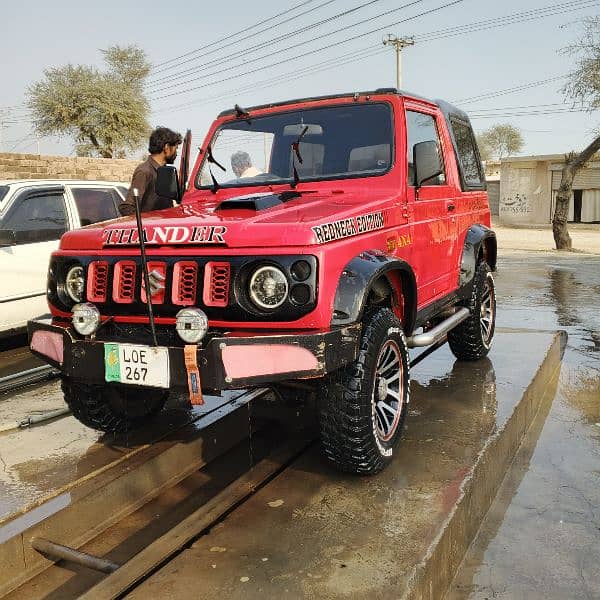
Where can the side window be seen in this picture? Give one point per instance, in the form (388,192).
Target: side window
(39,217)
(123,191)
(470,166)
(96,204)
(421,128)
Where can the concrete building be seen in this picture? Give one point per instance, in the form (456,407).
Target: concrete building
(492,177)
(528,187)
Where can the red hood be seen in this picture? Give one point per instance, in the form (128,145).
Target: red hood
(296,222)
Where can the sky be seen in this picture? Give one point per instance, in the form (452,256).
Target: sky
(207,57)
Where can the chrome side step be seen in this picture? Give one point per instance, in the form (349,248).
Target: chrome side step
(439,331)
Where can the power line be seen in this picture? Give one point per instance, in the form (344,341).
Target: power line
(522,17)
(286,36)
(449,32)
(510,115)
(289,10)
(334,62)
(506,91)
(345,41)
(468,28)
(505,108)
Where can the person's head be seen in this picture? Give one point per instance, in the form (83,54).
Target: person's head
(163,145)
(240,161)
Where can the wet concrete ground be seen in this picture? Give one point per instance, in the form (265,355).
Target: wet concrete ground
(541,538)
(316,533)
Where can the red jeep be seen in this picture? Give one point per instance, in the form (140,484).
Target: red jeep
(317,240)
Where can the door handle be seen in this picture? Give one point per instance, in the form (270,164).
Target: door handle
(450,206)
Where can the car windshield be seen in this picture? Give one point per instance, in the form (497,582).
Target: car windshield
(3,191)
(353,140)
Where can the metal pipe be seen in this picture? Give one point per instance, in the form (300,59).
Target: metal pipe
(423,355)
(59,552)
(52,414)
(9,382)
(439,331)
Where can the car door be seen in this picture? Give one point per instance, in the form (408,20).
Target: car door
(95,203)
(38,217)
(434,224)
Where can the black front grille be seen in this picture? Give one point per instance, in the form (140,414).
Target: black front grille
(223,303)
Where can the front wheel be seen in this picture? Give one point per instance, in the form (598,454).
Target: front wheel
(364,404)
(472,339)
(112,408)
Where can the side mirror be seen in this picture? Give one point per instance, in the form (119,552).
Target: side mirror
(7,237)
(427,162)
(167,184)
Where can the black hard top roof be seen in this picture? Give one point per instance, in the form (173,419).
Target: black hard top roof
(446,108)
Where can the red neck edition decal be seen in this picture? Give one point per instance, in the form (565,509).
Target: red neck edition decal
(204,234)
(336,230)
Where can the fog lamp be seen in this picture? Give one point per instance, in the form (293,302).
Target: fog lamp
(86,318)
(191,325)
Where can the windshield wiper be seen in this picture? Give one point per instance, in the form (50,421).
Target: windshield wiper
(211,159)
(296,150)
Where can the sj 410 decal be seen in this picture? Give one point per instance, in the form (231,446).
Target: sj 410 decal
(329,232)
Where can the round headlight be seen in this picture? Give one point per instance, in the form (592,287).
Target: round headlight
(268,287)
(191,325)
(86,318)
(75,283)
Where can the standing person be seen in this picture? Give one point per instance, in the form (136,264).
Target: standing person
(163,151)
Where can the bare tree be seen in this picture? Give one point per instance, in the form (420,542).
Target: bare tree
(583,88)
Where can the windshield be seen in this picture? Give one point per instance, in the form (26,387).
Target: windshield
(3,191)
(352,140)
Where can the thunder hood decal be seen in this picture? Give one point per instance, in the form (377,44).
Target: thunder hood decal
(166,235)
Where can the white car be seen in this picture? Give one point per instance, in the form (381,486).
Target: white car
(34,214)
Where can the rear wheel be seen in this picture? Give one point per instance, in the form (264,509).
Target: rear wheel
(364,404)
(472,339)
(112,408)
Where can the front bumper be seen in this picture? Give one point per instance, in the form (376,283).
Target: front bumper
(228,361)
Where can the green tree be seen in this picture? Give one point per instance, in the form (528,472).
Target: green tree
(501,140)
(105,112)
(583,89)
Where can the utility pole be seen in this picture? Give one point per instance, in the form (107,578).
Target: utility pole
(399,44)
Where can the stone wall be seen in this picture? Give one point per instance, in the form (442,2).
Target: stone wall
(35,166)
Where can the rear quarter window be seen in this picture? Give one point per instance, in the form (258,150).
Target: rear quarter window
(468,156)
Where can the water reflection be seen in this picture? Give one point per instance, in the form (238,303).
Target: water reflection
(469,386)
(576,305)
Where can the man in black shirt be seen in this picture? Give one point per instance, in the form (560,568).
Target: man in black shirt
(163,151)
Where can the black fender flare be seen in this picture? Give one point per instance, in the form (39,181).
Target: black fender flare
(359,278)
(479,239)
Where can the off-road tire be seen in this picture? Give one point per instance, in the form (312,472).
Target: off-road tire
(351,424)
(112,408)
(472,339)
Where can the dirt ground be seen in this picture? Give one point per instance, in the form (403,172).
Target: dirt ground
(585,238)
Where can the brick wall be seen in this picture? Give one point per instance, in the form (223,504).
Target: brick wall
(35,166)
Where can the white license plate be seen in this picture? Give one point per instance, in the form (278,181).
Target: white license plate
(136,365)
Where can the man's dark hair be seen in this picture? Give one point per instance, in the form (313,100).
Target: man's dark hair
(161,136)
